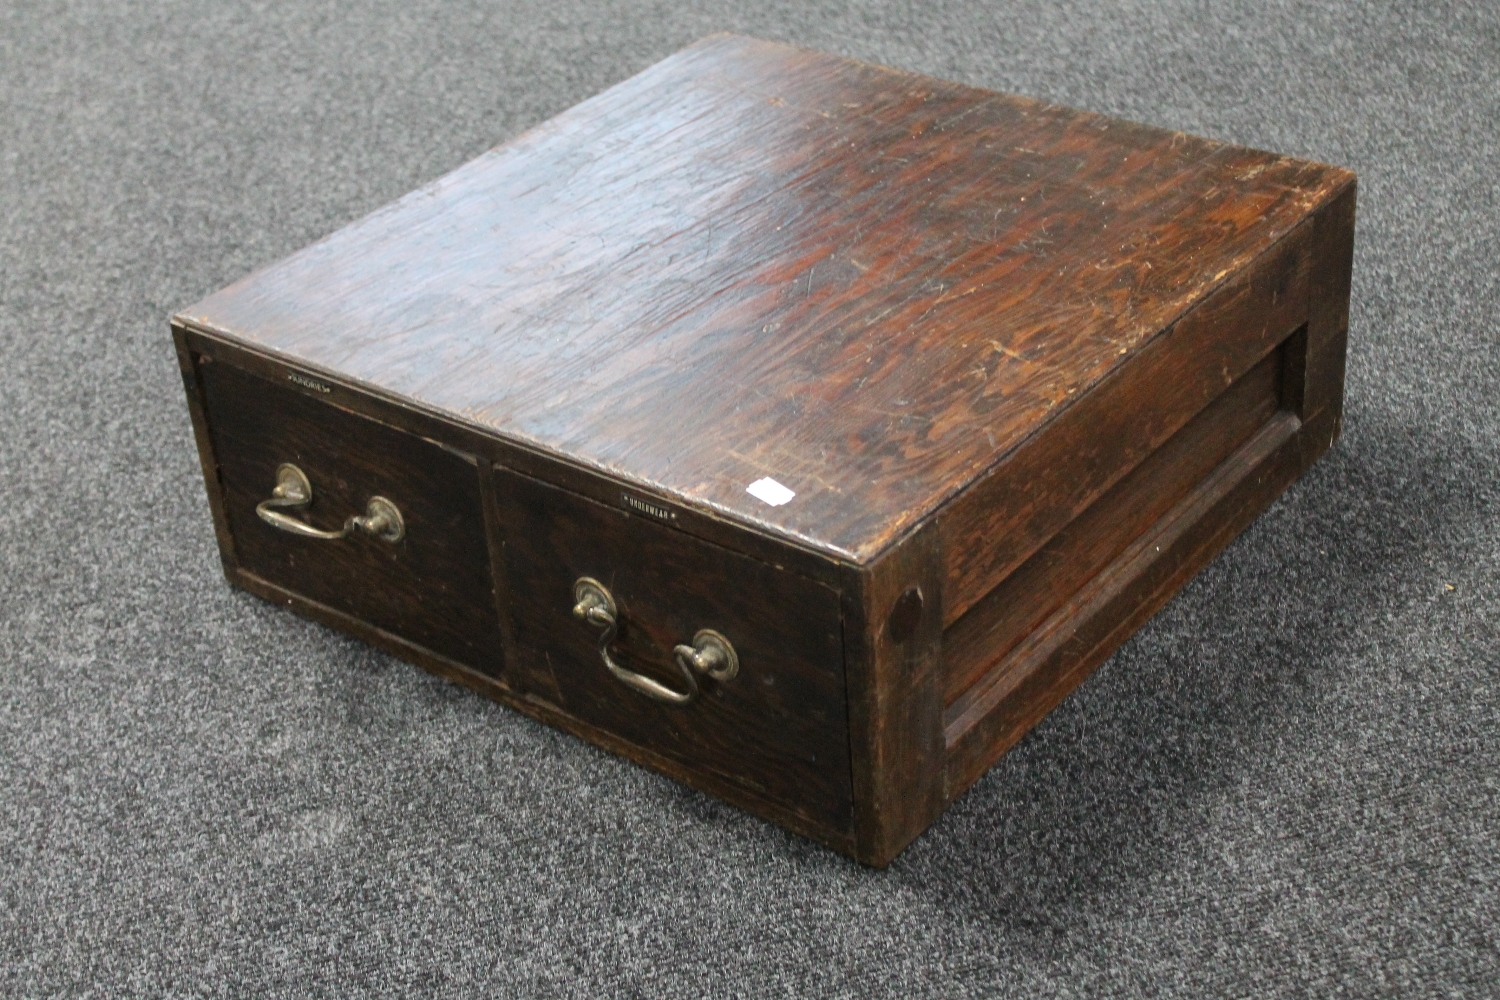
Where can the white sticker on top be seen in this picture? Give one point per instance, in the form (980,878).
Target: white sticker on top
(770,491)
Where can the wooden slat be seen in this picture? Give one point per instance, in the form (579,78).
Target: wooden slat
(998,710)
(990,629)
(1003,519)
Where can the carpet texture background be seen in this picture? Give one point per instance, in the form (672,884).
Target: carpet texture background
(1288,783)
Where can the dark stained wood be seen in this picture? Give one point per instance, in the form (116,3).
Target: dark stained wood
(453,433)
(1322,405)
(498,690)
(993,626)
(710,526)
(433,587)
(187,363)
(1014,696)
(895,696)
(902,279)
(778,727)
(1026,369)
(1094,442)
(522,673)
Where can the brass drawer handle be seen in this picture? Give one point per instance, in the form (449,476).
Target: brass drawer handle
(293,492)
(710,653)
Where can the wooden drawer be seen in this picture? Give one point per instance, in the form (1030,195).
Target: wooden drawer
(432,587)
(777,727)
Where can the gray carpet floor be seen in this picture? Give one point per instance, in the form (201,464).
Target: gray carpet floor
(1285,785)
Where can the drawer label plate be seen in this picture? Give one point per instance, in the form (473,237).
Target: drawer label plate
(648,508)
(309,383)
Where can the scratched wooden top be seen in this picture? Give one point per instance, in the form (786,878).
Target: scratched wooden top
(756,261)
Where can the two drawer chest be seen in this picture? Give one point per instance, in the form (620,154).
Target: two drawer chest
(803,429)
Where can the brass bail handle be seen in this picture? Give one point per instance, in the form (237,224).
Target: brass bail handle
(710,653)
(381,518)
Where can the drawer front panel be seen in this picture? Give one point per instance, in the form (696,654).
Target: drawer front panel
(778,727)
(432,587)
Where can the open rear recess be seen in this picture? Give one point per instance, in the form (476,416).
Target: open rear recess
(1028,627)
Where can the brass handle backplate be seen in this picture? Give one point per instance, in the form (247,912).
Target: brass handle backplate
(381,518)
(710,653)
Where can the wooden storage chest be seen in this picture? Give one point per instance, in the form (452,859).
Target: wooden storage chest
(803,429)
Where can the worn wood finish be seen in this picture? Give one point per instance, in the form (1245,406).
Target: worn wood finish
(778,727)
(433,587)
(894,628)
(993,626)
(1322,404)
(187,365)
(1025,369)
(543,710)
(458,434)
(902,278)
(1094,442)
(1055,658)
(522,673)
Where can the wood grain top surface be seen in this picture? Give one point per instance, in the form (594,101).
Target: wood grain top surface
(755,261)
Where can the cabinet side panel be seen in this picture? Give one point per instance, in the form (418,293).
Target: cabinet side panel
(1000,521)
(996,712)
(1000,620)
